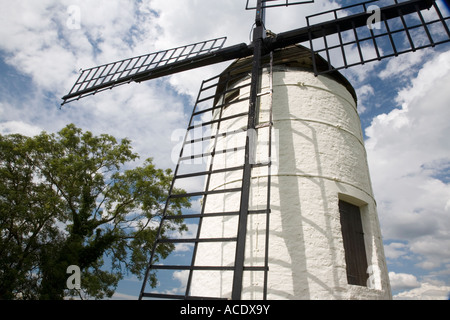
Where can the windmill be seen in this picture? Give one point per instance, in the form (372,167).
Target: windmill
(263,232)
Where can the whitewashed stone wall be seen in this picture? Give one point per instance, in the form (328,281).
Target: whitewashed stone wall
(318,158)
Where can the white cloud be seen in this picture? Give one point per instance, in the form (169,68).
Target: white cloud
(402,281)
(435,248)
(180,279)
(19,126)
(181,276)
(407,149)
(404,65)
(395,250)
(123,296)
(426,291)
(409,288)
(365,93)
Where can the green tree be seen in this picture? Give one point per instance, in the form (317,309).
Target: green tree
(66,199)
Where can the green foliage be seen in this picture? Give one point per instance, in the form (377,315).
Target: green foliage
(65,199)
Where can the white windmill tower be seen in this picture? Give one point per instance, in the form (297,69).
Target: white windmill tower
(287,208)
(322,232)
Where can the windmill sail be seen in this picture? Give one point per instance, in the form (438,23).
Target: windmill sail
(402,27)
(214,139)
(345,19)
(338,34)
(152,65)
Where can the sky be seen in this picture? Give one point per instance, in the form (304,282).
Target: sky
(402,102)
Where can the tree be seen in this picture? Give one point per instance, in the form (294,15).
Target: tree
(65,199)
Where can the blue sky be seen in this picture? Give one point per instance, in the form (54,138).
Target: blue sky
(403,106)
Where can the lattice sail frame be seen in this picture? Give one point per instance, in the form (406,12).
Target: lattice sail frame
(107,76)
(208,146)
(412,30)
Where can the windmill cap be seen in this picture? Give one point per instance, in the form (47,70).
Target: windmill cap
(295,56)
